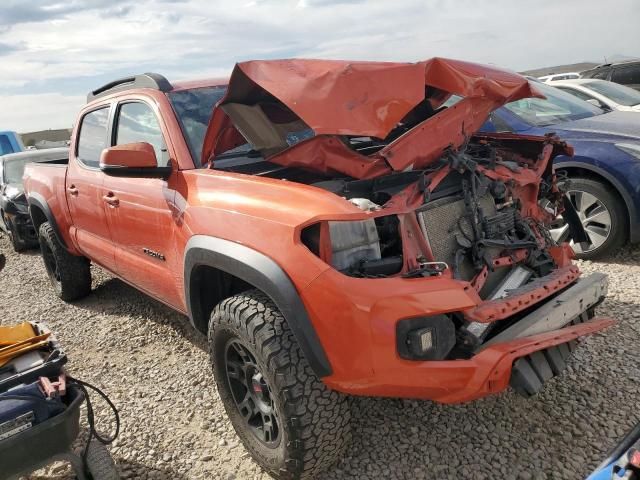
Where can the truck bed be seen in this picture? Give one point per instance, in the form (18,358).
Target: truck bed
(44,186)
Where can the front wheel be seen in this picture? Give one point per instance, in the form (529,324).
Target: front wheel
(291,423)
(602,214)
(16,243)
(70,275)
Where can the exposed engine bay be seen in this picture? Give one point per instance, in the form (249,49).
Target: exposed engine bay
(474,216)
(468,219)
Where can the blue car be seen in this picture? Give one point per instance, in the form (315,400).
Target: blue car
(623,463)
(604,172)
(10,142)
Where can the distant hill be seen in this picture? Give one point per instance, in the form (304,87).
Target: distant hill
(44,137)
(572,67)
(576,67)
(619,58)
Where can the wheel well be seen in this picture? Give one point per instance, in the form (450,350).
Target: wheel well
(209,286)
(37,217)
(584,173)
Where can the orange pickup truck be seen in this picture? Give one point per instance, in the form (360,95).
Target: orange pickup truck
(335,228)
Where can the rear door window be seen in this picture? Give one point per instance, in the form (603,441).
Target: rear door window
(93,137)
(137,122)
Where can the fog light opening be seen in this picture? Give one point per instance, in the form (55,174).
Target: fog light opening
(428,338)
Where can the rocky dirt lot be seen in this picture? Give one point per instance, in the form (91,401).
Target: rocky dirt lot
(154,366)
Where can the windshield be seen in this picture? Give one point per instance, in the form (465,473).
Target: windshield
(14,169)
(616,92)
(558,107)
(193,108)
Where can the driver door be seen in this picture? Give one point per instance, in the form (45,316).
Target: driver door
(140,210)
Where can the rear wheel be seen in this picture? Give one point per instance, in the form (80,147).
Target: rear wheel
(70,275)
(291,423)
(602,214)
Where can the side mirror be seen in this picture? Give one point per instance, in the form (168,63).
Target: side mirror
(132,160)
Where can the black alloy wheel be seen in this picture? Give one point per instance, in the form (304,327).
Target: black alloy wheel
(251,393)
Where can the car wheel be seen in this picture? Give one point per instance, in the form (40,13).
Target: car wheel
(602,214)
(70,275)
(290,422)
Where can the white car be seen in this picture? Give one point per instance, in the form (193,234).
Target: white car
(601,93)
(559,76)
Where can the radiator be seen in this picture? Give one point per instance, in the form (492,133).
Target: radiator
(443,222)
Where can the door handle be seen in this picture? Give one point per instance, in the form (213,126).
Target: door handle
(72,190)
(111,199)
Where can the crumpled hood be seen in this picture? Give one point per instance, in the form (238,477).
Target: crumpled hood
(367,99)
(616,125)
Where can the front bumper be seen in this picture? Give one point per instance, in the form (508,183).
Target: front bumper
(489,372)
(356,321)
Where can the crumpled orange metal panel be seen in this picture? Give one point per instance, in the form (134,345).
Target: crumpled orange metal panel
(335,97)
(369,99)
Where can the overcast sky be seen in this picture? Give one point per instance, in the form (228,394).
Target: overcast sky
(53,52)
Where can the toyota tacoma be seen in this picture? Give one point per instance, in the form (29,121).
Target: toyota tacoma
(334,229)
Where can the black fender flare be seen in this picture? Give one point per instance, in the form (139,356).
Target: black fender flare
(264,274)
(38,201)
(634,227)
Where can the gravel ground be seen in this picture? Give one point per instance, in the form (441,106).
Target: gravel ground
(154,366)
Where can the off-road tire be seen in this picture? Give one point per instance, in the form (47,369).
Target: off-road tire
(617,211)
(70,275)
(99,462)
(314,421)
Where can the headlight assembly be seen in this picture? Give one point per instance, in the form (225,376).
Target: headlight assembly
(360,248)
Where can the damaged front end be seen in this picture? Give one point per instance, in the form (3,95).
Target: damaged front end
(430,200)
(475,216)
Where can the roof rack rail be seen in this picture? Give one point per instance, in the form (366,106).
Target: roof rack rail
(145,80)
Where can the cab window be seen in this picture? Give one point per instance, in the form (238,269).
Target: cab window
(136,122)
(93,137)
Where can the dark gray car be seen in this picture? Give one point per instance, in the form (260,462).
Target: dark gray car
(14,212)
(625,73)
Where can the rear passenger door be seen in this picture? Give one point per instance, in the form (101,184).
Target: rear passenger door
(84,188)
(141,222)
